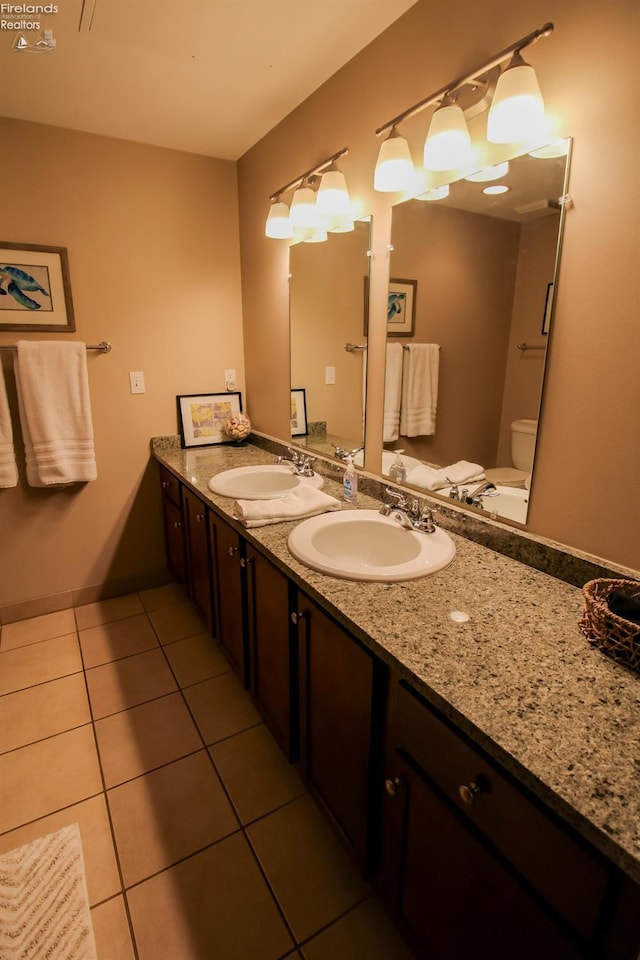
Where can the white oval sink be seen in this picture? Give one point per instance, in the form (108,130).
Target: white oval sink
(264,481)
(364,545)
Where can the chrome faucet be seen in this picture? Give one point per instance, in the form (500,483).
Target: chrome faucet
(410,514)
(300,462)
(486,489)
(341,454)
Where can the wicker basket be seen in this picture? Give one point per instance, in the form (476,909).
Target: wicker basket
(615,636)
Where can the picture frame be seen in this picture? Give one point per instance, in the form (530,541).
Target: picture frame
(299,413)
(201,417)
(35,288)
(548,309)
(401,307)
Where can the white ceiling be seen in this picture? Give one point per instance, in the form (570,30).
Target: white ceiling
(206,76)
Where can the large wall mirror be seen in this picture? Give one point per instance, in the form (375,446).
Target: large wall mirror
(475,273)
(326,306)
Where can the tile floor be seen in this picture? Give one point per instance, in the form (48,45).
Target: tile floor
(199,839)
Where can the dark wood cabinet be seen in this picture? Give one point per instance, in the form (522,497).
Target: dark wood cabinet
(472,865)
(270,648)
(340,689)
(174,526)
(228,578)
(198,555)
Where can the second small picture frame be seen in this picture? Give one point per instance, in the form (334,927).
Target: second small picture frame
(202,416)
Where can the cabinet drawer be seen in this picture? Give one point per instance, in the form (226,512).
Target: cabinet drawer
(558,865)
(170,486)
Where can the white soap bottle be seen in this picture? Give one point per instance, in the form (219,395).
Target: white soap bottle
(350,482)
(397,470)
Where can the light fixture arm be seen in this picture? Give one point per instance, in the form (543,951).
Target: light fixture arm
(516,47)
(309,173)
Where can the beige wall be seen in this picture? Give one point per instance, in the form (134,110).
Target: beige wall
(152,237)
(587,444)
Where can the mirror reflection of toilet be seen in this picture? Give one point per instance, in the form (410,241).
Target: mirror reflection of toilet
(523,442)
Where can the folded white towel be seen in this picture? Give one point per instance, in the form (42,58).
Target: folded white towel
(8,468)
(392,393)
(432,479)
(55,412)
(419,389)
(303,501)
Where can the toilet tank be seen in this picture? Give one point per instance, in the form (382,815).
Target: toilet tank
(523,441)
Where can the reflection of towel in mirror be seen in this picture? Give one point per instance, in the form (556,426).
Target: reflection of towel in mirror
(419,389)
(8,469)
(303,501)
(392,393)
(432,479)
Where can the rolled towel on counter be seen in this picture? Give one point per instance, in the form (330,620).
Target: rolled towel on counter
(303,501)
(431,479)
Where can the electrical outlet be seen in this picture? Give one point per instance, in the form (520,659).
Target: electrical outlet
(136,381)
(229,379)
(329,375)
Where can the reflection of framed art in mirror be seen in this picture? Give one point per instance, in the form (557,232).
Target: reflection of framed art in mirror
(299,413)
(401,307)
(548,307)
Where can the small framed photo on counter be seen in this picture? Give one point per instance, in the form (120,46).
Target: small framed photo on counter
(299,413)
(202,416)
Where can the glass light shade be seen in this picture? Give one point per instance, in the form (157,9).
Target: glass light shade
(394,169)
(332,199)
(303,211)
(438,193)
(497,189)
(278,225)
(557,148)
(345,227)
(318,237)
(517,108)
(448,144)
(490,173)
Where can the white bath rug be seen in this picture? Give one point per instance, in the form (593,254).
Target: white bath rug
(44,907)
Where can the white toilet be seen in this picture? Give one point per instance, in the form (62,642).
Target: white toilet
(523,442)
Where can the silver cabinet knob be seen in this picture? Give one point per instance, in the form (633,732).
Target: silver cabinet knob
(177,524)
(469,793)
(199,517)
(392,786)
(245,561)
(233,551)
(297,616)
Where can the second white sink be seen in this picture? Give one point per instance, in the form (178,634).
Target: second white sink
(364,545)
(264,481)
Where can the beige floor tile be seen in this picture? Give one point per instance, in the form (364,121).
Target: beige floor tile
(255,773)
(111,931)
(312,876)
(39,779)
(105,611)
(43,711)
(176,622)
(215,904)
(365,933)
(46,627)
(122,638)
(101,869)
(126,683)
(167,815)
(140,739)
(221,707)
(39,662)
(166,596)
(196,658)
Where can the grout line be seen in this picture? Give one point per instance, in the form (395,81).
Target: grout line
(50,736)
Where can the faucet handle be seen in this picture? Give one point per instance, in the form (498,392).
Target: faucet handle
(454,493)
(400,499)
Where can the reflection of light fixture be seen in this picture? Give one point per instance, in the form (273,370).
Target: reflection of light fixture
(278,225)
(495,190)
(318,236)
(394,169)
(517,84)
(517,108)
(448,144)
(438,193)
(557,148)
(330,207)
(490,173)
(345,227)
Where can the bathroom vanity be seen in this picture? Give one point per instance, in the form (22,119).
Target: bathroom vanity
(482,769)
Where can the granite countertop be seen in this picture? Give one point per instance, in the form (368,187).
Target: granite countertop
(518,677)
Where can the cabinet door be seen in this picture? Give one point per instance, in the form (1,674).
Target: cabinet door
(198,557)
(338,685)
(450,894)
(270,646)
(229,592)
(175,540)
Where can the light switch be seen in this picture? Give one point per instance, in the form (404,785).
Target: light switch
(329,375)
(136,381)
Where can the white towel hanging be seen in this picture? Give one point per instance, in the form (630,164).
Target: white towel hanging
(8,468)
(419,389)
(392,393)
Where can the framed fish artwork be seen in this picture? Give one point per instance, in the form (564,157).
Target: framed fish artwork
(35,288)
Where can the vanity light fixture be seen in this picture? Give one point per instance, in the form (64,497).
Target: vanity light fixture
(517,89)
(495,172)
(496,190)
(557,148)
(394,168)
(311,210)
